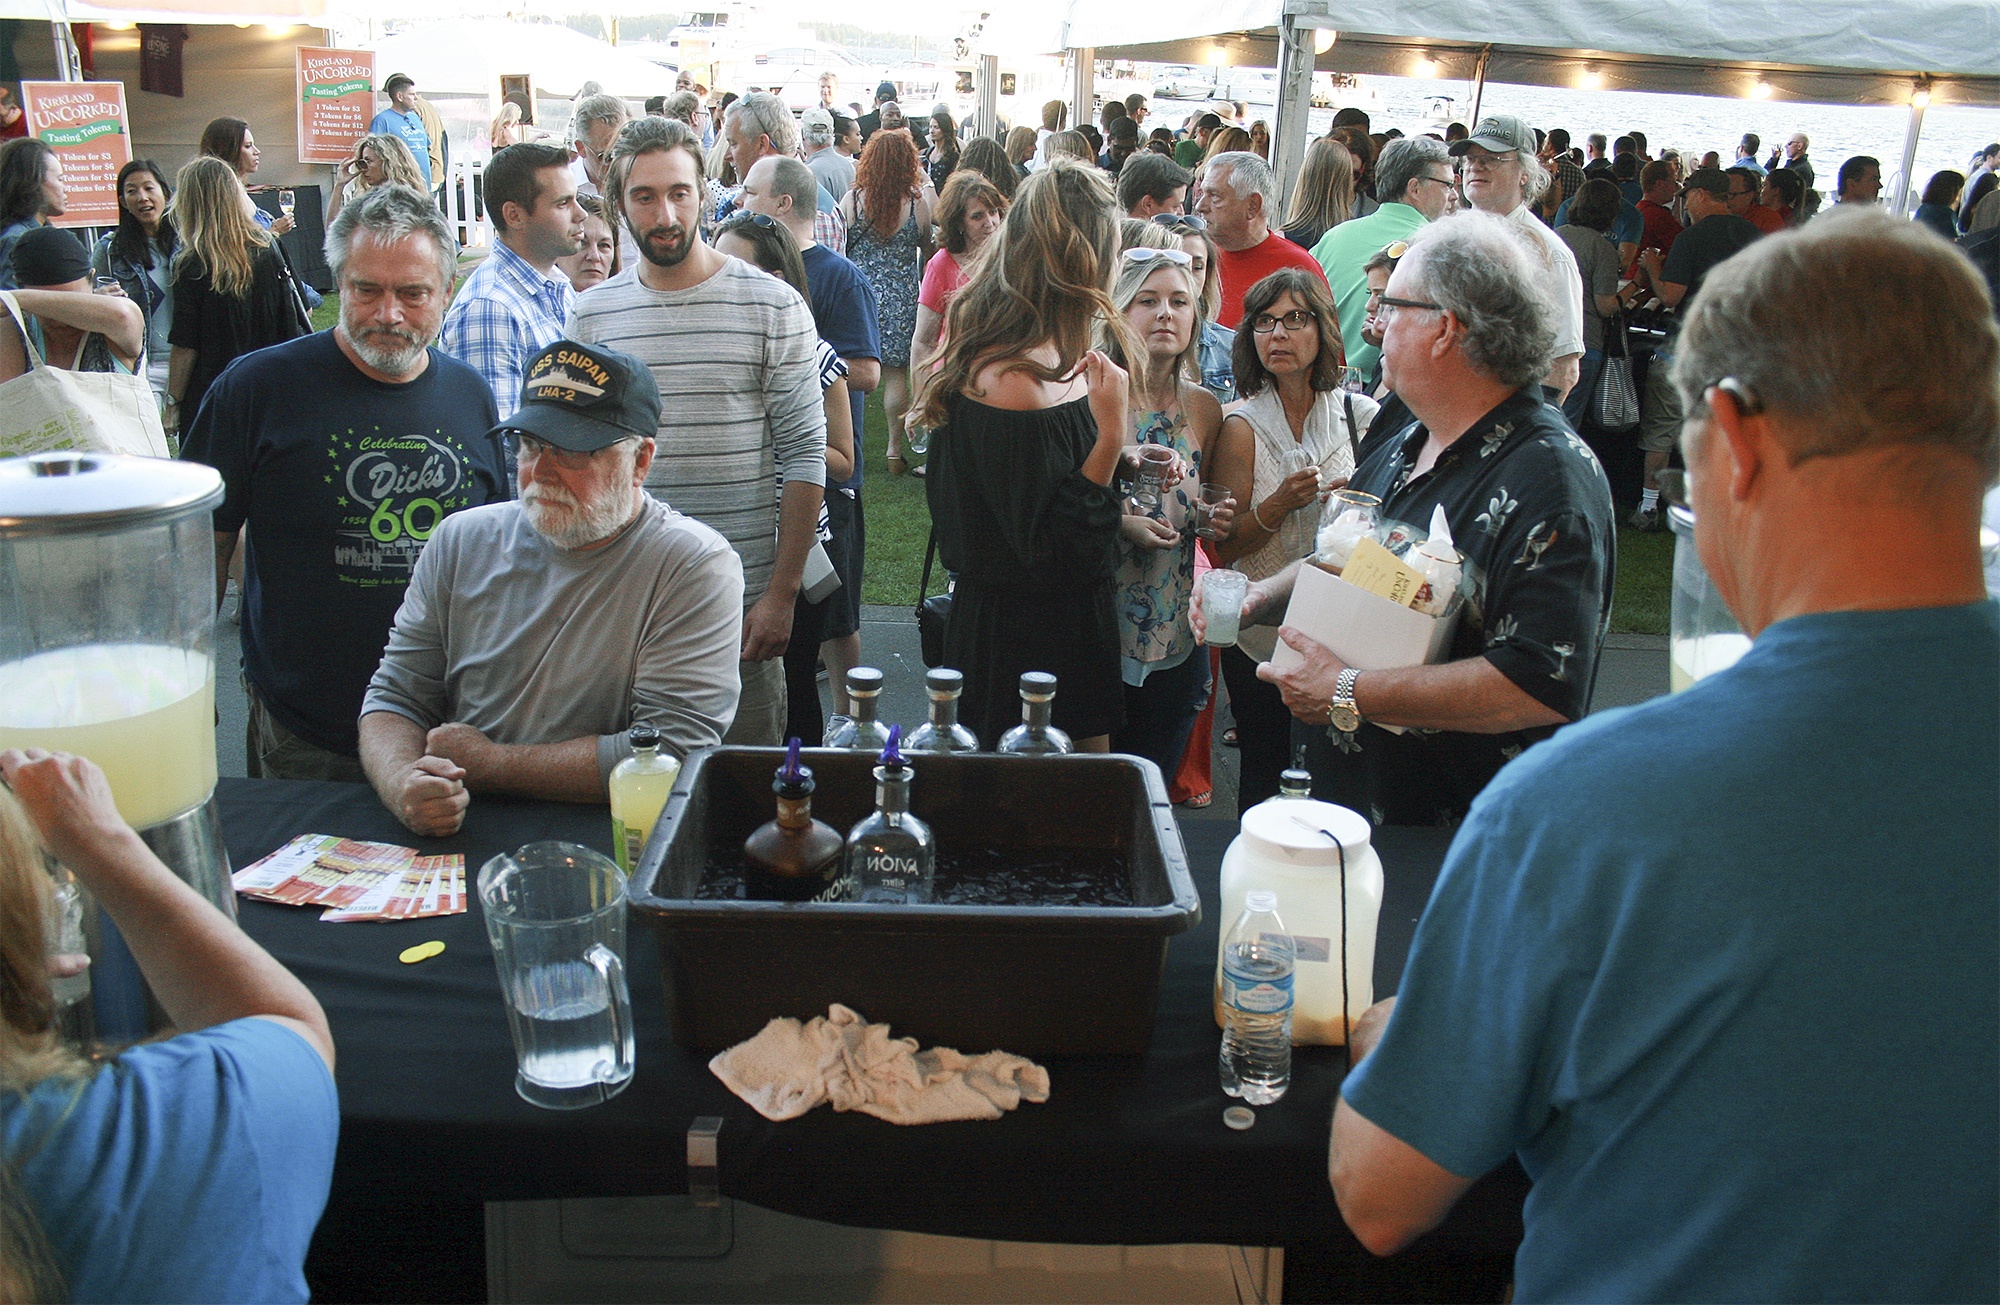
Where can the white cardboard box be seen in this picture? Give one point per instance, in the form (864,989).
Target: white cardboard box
(1364,630)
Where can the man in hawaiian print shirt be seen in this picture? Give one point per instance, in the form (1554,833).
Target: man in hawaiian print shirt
(1467,337)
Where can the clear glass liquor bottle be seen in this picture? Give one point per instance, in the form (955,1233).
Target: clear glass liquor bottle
(860,732)
(889,854)
(942,732)
(1034,736)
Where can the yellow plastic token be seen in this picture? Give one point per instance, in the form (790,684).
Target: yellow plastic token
(421,952)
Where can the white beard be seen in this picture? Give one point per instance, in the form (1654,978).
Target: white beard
(570,524)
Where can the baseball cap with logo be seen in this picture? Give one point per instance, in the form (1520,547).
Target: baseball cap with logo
(583,398)
(1498,133)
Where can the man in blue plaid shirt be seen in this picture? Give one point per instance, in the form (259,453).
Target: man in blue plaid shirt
(514,304)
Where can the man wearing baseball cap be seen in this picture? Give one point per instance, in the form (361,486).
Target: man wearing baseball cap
(831,168)
(871,121)
(1713,234)
(535,633)
(1502,176)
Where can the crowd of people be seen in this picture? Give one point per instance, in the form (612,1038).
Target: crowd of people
(584,490)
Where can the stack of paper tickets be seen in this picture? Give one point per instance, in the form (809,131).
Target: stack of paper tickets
(355,880)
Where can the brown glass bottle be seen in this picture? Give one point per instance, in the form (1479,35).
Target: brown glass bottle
(792,858)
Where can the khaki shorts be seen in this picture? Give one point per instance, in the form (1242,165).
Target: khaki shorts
(1659,411)
(760,711)
(270,751)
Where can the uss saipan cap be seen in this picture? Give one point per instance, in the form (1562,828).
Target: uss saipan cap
(583,398)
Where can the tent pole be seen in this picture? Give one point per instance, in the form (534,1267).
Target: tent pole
(1479,82)
(1916,128)
(69,61)
(1083,92)
(1289,131)
(986,95)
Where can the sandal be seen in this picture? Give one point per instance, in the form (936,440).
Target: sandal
(918,471)
(1199,800)
(1229,738)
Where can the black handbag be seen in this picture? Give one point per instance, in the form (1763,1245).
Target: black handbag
(932,611)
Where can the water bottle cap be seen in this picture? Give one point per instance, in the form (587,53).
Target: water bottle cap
(643,735)
(1260,899)
(864,679)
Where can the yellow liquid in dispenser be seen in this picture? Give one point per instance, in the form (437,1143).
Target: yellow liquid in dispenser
(639,790)
(143,712)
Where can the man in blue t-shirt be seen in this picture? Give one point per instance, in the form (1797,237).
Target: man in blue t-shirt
(342,451)
(844,311)
(403,121)
(1721,969)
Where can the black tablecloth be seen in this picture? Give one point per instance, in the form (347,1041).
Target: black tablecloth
(1127,1150)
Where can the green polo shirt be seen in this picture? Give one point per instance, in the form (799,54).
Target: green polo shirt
(1343,251)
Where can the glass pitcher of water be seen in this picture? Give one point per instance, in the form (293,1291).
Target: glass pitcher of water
(555,914)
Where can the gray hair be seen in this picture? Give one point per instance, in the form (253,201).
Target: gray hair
(388,214)
(791,177)
(1247,173)
(681,104)
(764,114)
(594,109)
(1484,273)
(1805,318)
(817,132)
(1402,162)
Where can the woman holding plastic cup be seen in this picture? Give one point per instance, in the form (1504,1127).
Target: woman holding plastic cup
(1166,676)
(1290,441)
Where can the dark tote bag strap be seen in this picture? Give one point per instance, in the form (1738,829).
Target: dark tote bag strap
(930,554)
(1353,436)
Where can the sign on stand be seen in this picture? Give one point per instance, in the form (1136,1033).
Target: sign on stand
(85,124)
(336,102)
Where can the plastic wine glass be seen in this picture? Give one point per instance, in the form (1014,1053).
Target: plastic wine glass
(287,200)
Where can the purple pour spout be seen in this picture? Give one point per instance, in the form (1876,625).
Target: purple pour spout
(892,755)
(792,772)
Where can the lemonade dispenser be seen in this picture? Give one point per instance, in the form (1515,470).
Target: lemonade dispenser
(107,619)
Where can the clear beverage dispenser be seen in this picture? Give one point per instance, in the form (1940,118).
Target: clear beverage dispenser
(107,620)
(1705,637)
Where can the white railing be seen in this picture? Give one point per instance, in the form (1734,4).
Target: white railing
(461,208)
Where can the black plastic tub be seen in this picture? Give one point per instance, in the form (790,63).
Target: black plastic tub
(1034,980)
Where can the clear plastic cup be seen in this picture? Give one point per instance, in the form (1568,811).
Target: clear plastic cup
(1222,593)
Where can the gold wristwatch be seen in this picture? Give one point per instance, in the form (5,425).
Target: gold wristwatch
(1342,713)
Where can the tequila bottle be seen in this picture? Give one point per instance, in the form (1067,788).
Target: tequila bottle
(942,732)
(793,858)
(889,856)
(860,732)
(1034,736)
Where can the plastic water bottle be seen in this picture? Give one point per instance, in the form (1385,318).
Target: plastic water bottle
(1257,963)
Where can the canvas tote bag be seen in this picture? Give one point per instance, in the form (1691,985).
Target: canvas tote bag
(49,408)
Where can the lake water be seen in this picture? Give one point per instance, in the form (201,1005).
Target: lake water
(1695,124)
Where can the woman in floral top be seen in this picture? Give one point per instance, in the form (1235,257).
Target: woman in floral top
(1166,676)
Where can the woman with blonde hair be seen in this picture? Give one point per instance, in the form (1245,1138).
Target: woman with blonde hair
(889,239)
(1070,144)
(1166,677)
(1028,421)
(378,161)
(1021,144)
(506,127)
(1324,196)
(231,288)
(192,1168)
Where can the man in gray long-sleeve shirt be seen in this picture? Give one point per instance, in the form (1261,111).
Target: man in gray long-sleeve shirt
(735,354)
(534,633)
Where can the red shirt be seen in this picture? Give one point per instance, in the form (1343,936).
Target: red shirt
(1661,226)
(1246,267)
(1766,220)
(942,278)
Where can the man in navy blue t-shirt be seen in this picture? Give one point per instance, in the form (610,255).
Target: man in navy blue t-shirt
(342,451)
(1721,968)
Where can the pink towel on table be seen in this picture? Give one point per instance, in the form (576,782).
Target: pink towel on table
(789,1068)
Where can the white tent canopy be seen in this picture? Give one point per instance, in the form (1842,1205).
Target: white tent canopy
(469,57)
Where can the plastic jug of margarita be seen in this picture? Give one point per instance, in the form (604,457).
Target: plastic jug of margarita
(107,621)
(1705,637)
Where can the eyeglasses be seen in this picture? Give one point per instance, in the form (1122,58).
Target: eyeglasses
(1394,250)
(1474,161)
(1147,254)
(764,220)
(1296,320)
(1389,304)
(1446,182)
(1181,221)
(527,448)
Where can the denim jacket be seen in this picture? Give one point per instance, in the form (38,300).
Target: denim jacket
(1218,372)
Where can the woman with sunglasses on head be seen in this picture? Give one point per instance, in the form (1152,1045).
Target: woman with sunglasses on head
(1166,675)
(1218,342)
(1290,441)
(1028,422)
(377,161)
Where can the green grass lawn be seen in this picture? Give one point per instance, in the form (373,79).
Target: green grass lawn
(899,522)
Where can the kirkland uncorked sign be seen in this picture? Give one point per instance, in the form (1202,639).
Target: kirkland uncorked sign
(84,123)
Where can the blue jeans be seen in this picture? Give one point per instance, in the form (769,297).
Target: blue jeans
(1577,406)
